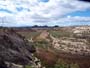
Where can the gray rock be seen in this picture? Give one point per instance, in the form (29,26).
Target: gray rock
(14,48)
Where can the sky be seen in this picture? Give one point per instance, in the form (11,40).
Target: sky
(44,12)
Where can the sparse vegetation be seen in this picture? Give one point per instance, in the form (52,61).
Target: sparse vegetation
(59,34)
(42,43)
(27,66)
(30,35)
(63,64)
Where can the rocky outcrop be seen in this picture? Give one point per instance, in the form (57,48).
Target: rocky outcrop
(15,49)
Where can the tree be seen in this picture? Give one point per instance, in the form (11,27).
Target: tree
(56,26)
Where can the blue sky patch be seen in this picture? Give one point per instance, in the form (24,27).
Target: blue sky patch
(43,0)
(21,9)
(85,13)
(5,10)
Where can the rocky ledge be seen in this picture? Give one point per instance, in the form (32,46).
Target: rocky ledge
(14,50)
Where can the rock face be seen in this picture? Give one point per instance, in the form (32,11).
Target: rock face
(14,49)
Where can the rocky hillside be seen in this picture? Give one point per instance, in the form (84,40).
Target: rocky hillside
(15,50)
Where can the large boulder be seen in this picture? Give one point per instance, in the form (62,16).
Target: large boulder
(14,48)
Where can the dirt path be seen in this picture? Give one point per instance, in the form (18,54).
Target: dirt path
(44,34)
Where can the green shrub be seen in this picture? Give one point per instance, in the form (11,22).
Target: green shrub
(63,64)
(42,44)
(27,66)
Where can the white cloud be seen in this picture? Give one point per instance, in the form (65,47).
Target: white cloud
(42,13)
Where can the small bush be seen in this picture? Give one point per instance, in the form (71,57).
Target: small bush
(27,66)
(63,64)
